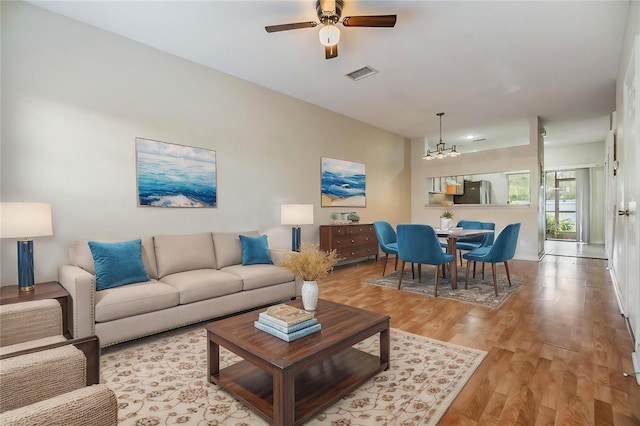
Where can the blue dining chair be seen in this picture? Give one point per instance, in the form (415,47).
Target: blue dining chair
(387,240)
(502,250)
(419,244)
(472,243)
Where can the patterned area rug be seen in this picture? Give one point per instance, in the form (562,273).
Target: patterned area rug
(479,291)
(161,380)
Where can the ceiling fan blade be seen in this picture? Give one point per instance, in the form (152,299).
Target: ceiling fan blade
(331,51)
(285,27)
(370,21)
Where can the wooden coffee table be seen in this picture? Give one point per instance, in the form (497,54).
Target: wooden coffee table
(287,383)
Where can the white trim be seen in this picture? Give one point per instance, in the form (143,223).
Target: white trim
(571,167)
(615,290)
(635,358)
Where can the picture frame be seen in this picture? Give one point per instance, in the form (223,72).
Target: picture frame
(172,175)
(343,183)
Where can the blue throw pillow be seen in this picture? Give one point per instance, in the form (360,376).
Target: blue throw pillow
(118,263)
(255,250)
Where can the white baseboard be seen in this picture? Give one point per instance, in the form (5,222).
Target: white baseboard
(635,357)
(614,282)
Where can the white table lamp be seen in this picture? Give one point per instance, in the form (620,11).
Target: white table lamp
(25,221)
(296,215)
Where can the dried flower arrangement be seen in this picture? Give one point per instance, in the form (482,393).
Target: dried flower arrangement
(310,264)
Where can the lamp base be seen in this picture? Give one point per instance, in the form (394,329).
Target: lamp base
(25,266)
(295,238)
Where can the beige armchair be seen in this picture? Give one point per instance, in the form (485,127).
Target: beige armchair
(46,379)
(30,325)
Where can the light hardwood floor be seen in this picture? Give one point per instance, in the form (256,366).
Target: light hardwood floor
(556,348)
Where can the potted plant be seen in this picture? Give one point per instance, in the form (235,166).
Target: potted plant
(310,265)
(353,217)
(445,219)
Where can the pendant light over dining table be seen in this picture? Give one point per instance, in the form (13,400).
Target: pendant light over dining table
(441,150)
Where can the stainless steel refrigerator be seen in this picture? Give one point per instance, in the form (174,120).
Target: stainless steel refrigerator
(475,192)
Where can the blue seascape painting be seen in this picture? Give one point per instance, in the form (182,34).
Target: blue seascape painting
(171,175)
(343,183)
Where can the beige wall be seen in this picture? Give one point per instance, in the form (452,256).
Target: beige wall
(74,98)
(496,160)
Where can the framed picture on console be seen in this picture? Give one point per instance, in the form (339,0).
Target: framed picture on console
(343,183)
(171,175)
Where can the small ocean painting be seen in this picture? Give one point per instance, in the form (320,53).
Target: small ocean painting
(171,175)
(343,183)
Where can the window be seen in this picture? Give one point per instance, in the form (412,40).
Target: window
(518,184)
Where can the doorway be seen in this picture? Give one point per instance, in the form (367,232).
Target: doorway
(560,205)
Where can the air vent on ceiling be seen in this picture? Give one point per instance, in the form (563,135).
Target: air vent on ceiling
(480,140)
(361,73)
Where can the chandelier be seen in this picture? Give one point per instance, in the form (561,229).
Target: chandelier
(441,151)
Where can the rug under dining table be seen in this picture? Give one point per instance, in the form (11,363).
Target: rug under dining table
(480,291)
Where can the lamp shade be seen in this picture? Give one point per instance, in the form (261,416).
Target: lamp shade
(329,35)
(296,214)
(25,220)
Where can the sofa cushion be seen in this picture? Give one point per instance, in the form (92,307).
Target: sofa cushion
(202,284)
(134,299)
(258,276)
(255,250)
(118,264)
(228,249)
(80,255)
(186,252)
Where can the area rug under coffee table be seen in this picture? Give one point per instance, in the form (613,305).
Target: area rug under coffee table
(479,291)
(162,380)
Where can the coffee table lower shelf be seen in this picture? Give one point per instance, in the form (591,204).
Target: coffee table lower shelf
(317,387)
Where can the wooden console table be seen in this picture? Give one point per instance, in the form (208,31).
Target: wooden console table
(351,241)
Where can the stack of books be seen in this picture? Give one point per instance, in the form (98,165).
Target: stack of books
(287,322)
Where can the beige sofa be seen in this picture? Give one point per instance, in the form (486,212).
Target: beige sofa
(193,277)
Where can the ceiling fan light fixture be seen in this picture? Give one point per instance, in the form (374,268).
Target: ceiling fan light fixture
(329,14)
(329,35)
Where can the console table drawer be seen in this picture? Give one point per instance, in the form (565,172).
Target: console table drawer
(355,240)
(357,252)
(361,230)
(340,230)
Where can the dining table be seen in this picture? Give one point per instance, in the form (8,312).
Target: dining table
(452,235)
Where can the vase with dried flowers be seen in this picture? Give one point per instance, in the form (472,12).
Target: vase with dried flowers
(310,265)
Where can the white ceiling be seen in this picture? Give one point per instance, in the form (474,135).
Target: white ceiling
(489,65)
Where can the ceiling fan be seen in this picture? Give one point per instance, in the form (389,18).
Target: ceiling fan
(329,13)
